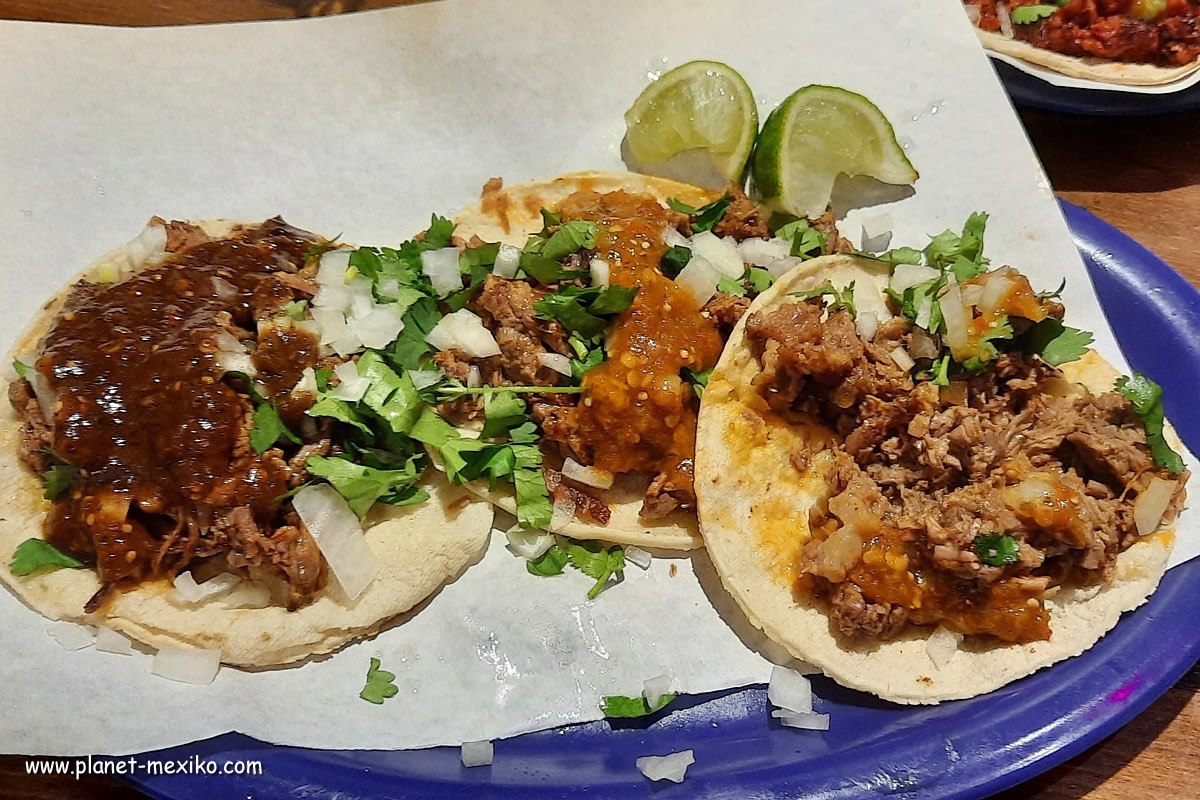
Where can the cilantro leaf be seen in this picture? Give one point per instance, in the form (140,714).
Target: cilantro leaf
(589,360)
(730,286)
(551,562)
(939,372)
(407,350)
(501,412)
(839,298)
(807,242)
(295,309)
(596,561)
(392,396)
(578,234)
(38,554)
(578,308)
(547,270)
(1027,15)
(1146,397)
(613,299)
(997,549)
(534,509)
(760,280)
(699,381)
(364,486)
(22,369)
(675,259)
(379,685)
(944,248)
(432,430)
(438,234)
(1055,342)
(321,248)
(267,428)
(901,255)
(620,707)
(340,410)
(56,480)
(704,217)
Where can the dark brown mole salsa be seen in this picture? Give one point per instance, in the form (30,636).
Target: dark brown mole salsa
(166,473)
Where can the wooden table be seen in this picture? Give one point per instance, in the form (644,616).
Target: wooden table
(1142,175)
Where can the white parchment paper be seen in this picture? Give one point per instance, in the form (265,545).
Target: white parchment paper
(364,125)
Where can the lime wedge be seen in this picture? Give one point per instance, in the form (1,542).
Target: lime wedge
(818,133)
(701,115)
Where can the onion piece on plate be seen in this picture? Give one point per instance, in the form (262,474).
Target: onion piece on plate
(71,636)
(906,276)
(654,688)
(339,537)
(789,690)
(351,386)
(187,665)
(188,592)
(477,754)
(941,645)
(671,767)
(638,557)
(109,641)
(876,233)
(805,720)
(528,544)
(902,359)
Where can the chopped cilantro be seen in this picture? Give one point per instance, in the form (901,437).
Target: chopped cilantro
(1055,342)
(392,396)
(807,242)
(410,346)
(589,360)
(268,428)
(621,707)
(730,286)
(550,219)
(901,255)
(939,372)
(596,561)
(295,309)
(703,218)
(699,380)
(839,298)
(340,410)
(946,247)
(56,480)
(547,270)
(22,369)
(379,685)
(997,549)
(458,390)
(675,259)
(364,486)
(579,308)
(760,280)
(1027,15)
(32,555)
(321,248)
(551,562)
(502,411)
(578,234)
(322,378)
(1146,397)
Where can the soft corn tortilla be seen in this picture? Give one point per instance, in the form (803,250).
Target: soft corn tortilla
(510,215)
(754,506)
(1094,69)
(419,548)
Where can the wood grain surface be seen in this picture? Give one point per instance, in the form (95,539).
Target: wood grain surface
(1142,175)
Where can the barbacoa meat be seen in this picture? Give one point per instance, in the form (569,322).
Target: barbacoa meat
(923,477)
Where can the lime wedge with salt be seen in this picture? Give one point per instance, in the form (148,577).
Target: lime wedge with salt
(816,134)
(696,123)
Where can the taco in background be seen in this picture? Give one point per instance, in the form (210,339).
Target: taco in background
(1128,42)
(916,478)
(163,399)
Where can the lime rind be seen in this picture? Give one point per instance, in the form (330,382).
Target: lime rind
(699,106)
(816,134)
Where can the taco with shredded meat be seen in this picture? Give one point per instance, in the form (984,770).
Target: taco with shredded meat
(913,475)
(1129,42)
(172,475)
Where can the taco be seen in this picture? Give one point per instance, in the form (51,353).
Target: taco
(161,466)
(1128,42)
(916,478)
(586,324)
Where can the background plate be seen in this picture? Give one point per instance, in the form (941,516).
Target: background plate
(1026,91)
(957,750)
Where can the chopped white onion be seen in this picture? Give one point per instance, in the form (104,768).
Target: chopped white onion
(477,754)
(336,296)
(780,266)
(378,327)
(922,345)
(805,720)
(654,688)
(331,271)
(638,557)
(563,511)
(996,286)
(529,543)
(789,690)
(699,278)
(941,645)
(425,377)
(223,288)
(972,293)
(721,253)
(246,594)
(590,476)
(331,322)
(673,238)
(307,383)
(671,767)
(906,276)
(955,318)
(150,244)
(508,261)
(109,641)
(441,267)
(876,233)
(555,361)
(188,592)
(188,665)
(902,359)
(1151,505)
(338,535)
(116,265)
(972,13)
(464,331)
(71,636)
(351,386)
(762,252)
(474,377)
(866,323)
(236,362)
(599,269)
(388,287)
(1006,26)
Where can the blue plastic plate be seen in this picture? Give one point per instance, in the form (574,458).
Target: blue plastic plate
(956,750)
(1027,91)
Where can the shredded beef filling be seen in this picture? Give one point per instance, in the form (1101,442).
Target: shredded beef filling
(165,471)
(923,476)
